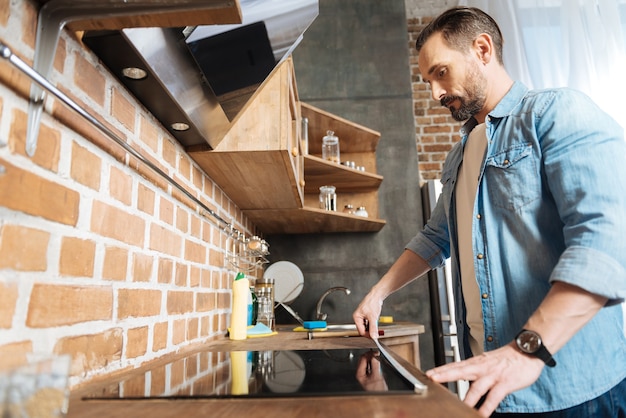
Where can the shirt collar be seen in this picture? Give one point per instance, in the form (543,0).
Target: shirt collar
(510,100)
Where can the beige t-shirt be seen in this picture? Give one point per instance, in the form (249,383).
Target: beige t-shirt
(466,188)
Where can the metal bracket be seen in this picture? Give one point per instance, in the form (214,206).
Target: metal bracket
(55,14)
(6,53)
(49,27)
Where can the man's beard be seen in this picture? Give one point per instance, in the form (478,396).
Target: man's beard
(473,101)
(467,109)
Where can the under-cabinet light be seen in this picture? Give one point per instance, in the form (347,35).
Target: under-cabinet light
(180,126)
(134,73)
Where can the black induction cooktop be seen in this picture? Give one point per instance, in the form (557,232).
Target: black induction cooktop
(258,374)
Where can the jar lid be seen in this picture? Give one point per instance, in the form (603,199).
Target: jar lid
(265,280)
(330,137)
(328,189)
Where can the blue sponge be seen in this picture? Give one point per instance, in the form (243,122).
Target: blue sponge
(314,324)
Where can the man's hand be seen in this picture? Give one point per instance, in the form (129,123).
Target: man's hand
(407,268)
(366,315)
(495,373)
(564,311)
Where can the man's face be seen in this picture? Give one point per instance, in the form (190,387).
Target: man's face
(455,78)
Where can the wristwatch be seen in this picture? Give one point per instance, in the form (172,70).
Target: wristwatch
(529,342)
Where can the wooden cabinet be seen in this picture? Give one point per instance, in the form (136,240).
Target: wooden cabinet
(257,163)
(406,346)
(401,337)
(260,166)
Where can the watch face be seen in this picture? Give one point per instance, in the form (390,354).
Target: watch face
(529,342)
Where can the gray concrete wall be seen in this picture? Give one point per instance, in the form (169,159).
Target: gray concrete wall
(353,62)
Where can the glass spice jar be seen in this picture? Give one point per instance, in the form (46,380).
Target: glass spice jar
(328,198)
(348,209)
(330,147)
(361,212)
(264,289)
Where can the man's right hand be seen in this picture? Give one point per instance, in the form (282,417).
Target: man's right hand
(366,315)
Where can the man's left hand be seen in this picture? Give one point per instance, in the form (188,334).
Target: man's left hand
(494,374)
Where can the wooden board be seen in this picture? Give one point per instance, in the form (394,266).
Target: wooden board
(369,200)
(352,136)
(253,180)
(265,122)
(310,221)
(437,403)
(203,12)
(319,172)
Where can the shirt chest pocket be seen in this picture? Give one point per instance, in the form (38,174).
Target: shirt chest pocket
(512,177)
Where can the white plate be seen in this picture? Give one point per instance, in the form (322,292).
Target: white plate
(288,280)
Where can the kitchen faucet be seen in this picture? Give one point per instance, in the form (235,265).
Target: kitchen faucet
(318,309)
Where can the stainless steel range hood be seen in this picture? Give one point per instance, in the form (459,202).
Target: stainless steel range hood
(179,87)
(285,21)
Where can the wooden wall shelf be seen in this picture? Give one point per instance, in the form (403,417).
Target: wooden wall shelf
(320,172)
(260,166)
(310,221)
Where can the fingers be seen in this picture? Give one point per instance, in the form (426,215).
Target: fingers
(493,375)
(373,330)
(366,317)
(361,323)
(491,402)
(477,390)
(366,328)
(484,386)
(464,370)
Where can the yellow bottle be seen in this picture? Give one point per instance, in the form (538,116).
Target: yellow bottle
(239,315)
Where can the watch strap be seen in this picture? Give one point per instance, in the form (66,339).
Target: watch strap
(545,355)
(541,352)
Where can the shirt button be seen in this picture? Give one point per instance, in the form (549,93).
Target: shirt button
(506,162)
(490,339)
(479,256)
(478,216)
(485,296)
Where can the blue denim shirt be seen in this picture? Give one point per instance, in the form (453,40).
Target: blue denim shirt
(550,205)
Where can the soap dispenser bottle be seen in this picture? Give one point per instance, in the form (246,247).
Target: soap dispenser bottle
(239,314)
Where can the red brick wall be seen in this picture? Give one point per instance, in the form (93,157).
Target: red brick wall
(435,130)
(99,258)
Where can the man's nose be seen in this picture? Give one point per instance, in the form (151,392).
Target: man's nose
(437,91)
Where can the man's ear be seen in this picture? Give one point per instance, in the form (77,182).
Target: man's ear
(483,48)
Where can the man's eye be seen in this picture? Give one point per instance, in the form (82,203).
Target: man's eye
(441,73)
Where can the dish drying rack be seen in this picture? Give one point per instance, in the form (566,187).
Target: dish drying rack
(245,254)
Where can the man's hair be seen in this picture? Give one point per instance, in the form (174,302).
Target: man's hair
(460,26)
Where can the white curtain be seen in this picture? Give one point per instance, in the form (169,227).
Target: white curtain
(573,43)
